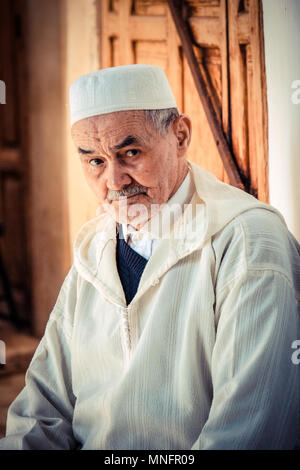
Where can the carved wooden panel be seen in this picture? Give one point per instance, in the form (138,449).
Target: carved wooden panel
(229,46)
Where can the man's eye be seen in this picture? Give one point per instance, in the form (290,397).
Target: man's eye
(132,153)
(95,162)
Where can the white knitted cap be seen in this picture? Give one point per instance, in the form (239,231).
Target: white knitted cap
(127,87)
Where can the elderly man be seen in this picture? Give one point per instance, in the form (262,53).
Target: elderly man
(177,323)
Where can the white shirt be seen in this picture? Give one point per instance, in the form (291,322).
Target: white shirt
(142,241)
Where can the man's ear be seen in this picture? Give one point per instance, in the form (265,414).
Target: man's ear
(183,133)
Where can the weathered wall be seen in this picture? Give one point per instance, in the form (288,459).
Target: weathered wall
(62,43)
(48,225)
(81,37)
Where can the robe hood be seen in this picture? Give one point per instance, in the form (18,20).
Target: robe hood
(214,204)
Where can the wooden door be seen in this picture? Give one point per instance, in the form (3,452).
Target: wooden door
(13,167)
(229,46)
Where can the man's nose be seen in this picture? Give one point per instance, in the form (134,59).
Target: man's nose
(117,176)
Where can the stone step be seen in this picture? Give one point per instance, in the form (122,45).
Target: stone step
(19,348)
(10,386)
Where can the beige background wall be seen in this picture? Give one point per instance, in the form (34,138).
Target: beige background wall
(282,40)
(81,49)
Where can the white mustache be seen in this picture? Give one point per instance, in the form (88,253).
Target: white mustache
(125,192)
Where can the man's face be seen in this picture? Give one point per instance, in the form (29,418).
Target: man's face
(128,163)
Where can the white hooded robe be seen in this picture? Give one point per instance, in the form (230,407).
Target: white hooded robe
(202,358)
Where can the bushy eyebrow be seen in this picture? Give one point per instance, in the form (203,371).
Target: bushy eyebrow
(85,152)
(129,140)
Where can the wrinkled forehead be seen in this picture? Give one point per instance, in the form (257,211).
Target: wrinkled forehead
(112,127)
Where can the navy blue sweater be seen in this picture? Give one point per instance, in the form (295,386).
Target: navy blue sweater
(130,267)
